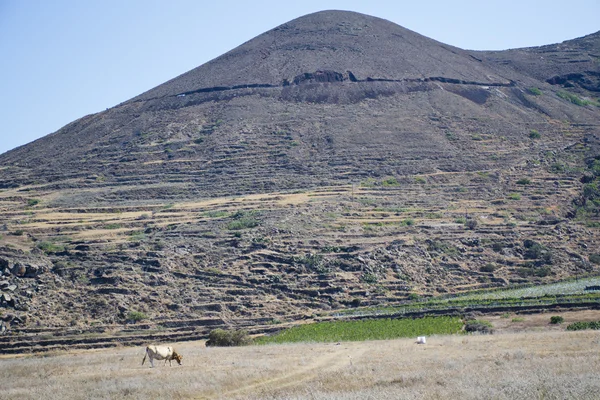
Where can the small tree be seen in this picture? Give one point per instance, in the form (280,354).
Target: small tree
(556,319)
(136,316)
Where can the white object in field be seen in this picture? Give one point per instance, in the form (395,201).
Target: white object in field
(421,340)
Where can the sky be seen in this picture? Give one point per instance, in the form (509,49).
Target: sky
(63,59)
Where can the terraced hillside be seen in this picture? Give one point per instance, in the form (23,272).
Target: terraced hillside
(335,161)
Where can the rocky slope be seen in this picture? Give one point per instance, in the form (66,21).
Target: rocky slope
(336,160)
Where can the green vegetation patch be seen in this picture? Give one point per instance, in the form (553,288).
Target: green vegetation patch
(33,202)
(50,247)
(378,329)
(582,325)
(244,220)
(534,91)
(576,99)
(524,181)
(136,316)
(112,226)
(534,134)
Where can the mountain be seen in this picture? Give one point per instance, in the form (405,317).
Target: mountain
(336,160)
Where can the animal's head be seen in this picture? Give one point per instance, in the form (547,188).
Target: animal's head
(177,357)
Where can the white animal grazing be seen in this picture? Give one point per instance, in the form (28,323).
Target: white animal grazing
(166,353)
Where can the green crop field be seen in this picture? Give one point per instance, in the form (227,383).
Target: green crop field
(366,330)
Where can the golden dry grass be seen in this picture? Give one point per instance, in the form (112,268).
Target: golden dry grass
(528,365)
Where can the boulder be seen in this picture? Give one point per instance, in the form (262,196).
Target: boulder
(19,270)
(33,270)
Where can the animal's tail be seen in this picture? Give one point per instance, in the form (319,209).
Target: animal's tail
(144,360)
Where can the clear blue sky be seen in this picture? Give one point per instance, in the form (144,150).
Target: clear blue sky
(63,59)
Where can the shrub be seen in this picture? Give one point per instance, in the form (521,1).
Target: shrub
(534,91)
(535,251)
(497,247)
(514,196)
(369,277)
(356,302)
(489,267)
(523,181)
(223,338)
(533,134)
(479,326)
(33,202)
(136,316)
(242,223)
(581,325)
(413,296)
(471,223)
(314,262)
(556,319)
(391,181)
(50,247)
(595,258)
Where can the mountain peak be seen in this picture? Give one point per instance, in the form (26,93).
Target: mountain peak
(333,40)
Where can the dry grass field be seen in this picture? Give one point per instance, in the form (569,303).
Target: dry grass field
(534,363)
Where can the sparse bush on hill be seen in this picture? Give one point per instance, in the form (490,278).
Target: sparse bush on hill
(534,91)
(523,181)
(391,181)
(243,220)
(136,316)
(471,223)
(50,247)
(535,251)
(369,277)
(33,202)
(314,262)
(408,222)
(595,258)
(556,319)
(223,338)
(534,134)
(489,267)
(479,326)
(576,99)
(587,206)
